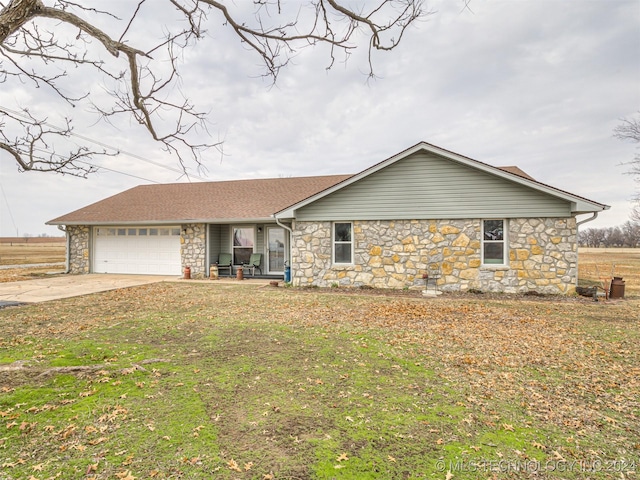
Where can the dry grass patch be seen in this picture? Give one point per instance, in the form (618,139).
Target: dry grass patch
(22,253)
(34,251)
(597,265)
(262,383)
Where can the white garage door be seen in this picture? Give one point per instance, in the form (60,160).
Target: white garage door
(141,250)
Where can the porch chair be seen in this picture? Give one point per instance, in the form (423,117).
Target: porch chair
(225,262)
(253,263)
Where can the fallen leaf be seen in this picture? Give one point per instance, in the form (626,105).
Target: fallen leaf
(97,441)
(233,465)
(126,475)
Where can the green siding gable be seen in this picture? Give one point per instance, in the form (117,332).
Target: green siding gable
(427,186)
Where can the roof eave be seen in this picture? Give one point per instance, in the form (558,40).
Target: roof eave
(582,205)
(164,222)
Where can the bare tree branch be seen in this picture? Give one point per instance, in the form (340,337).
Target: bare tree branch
(38,48)
(629,130)
(35,149)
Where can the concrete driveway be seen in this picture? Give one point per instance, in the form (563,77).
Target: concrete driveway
(45,289)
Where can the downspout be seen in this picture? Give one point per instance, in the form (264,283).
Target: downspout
(595,215)
(290,230)
(582,222)
(67,258)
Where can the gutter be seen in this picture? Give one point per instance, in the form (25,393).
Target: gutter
(67,260)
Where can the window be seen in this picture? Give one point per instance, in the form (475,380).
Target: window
(494,248)
(242,244)
(342,243)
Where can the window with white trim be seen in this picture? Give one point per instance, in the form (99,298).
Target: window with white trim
(343,243)
(494,242)
(243,242)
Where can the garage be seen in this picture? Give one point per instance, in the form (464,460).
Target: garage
(137,250)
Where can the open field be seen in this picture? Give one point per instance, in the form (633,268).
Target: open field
(600,264)
(206,380)
(17,251)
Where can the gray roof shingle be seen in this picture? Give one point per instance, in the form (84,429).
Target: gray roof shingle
(206,201)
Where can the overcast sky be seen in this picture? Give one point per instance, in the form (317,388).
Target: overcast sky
(533,83)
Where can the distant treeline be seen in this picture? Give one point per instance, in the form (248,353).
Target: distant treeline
(626,235)
(31,239)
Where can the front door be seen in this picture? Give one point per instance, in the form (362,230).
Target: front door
(275,250)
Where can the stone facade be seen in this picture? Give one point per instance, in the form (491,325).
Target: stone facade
(396,254)
(193,249)
(79,241)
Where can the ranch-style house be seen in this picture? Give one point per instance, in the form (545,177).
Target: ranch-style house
(485,228)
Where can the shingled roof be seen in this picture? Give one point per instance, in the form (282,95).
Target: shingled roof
(261,199)
(235,200)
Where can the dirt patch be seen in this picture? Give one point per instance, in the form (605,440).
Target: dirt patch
(29,273)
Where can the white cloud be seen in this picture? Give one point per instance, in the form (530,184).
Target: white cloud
(538,84)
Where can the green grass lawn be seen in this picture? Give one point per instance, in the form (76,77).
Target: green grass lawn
(201,380)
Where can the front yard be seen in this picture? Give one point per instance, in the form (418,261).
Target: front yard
(235,381)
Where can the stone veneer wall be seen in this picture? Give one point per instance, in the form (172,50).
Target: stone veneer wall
(79,241)
(395,254)
(193,249)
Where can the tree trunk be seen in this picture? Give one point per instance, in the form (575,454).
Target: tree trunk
(16,14)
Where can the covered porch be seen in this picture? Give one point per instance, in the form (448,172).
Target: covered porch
(261,249)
